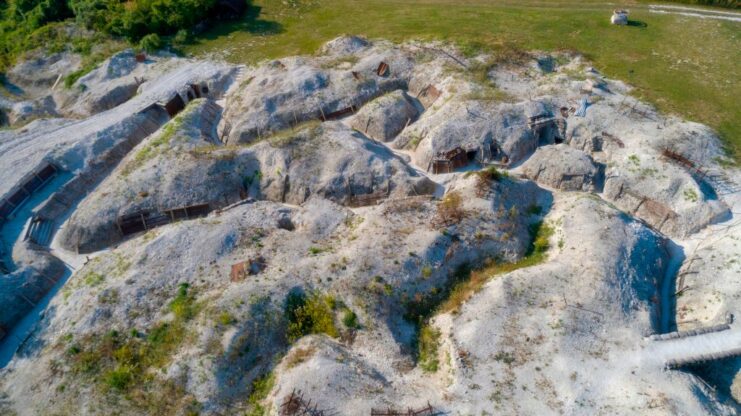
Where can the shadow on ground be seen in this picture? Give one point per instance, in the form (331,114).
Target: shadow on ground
(250,23)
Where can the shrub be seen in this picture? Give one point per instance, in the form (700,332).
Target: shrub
(350,319)
(427,271)
(310,314)
(534,209)
(150,43)
(449,209)
(225,318)
(541,233)
(119,378)
(183,306)
(181,38)
(93,279)
(124,362)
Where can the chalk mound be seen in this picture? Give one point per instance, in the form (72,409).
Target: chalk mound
(563,167)
(385,117)
(345,45)
(285,92)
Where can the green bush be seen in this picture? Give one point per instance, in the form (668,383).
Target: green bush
(350,319)
(183,306)
(541,233)
(119,378)
(137,19)
(150,43)
(312,314)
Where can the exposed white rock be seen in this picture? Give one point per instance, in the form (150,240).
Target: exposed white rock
(386,116)
(563,167)
(315,181)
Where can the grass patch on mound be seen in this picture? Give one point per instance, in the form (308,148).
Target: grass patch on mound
(460,287)
(124,364)
(283,138)
(261,387)
(161,142)
(681,64)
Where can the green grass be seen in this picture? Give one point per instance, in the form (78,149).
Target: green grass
(683,65)
(429,343)
(161,143)
(260,389)
(350,319)
(123,363)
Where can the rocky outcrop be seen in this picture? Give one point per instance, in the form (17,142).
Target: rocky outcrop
(672,203)
(285,92)
(488,132)
(180,166)
(41,72)
(386,116)
(27,111)
(336,163)
(565,168)
(525,301)
(592,296)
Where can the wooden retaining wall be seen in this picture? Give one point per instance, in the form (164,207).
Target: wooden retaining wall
(703,358)
(691,333)
(30,184)
(74,190)
(146,220)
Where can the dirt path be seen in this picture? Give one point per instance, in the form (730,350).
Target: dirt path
(695,12)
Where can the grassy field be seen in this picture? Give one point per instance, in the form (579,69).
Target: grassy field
(683,65)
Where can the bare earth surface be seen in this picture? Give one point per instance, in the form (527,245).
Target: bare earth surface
(151,274)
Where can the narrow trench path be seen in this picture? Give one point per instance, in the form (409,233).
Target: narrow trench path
(14,231)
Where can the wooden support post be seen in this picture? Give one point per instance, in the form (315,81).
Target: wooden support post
(144,222)
(409,120)
(322,111)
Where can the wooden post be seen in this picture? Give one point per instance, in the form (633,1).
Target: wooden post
(409,120)
(322,112)
(53,87)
